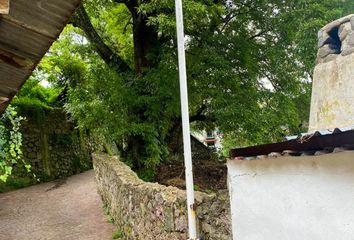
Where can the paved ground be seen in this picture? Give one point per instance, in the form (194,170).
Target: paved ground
(66,210)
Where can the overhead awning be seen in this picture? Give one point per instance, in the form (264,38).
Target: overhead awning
(4,6)
(27,30)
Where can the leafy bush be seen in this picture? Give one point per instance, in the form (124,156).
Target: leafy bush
(10,143)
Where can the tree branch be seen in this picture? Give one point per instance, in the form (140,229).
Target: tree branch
(130,4)
(258,34)
(82,20)
(199,116)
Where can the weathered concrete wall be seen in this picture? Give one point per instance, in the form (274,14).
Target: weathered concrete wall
(53,147)
(293,198)
(332,95)
(149,211)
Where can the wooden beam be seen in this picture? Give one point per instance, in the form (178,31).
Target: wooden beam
(4,6)
(4,100)
(15,61)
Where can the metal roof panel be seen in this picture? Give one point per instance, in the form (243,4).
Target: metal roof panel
(26,34)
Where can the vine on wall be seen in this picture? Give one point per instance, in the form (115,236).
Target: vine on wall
(10,143)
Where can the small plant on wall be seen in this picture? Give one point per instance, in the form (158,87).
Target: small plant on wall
(10,143)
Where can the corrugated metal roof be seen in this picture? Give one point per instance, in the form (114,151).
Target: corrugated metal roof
(317,143)
(26,34)
(322,132)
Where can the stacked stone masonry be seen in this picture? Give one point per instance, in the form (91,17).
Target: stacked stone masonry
(149,211)
(336,38)
(53,147)
(332,101)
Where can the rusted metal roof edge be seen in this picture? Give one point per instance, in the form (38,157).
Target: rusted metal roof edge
(306,145)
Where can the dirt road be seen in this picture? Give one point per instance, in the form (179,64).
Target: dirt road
(61,210)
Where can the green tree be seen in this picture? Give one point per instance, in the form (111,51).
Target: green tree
(249,70)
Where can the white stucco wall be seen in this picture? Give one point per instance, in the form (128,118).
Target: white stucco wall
(293,198)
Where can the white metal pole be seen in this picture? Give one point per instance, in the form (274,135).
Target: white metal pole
(185,122)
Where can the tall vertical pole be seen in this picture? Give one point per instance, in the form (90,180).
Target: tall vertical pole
(185,122)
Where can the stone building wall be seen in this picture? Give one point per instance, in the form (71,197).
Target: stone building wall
(149,211)
(332,103)
(53,147)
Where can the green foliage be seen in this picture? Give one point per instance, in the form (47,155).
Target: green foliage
(10,143)
(118,234)
(14,182)
(102,99)
(107,213)
(249,72)
(35,100)
(34,91)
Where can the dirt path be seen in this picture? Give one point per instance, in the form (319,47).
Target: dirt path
(62,210)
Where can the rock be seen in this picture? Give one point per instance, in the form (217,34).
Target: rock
(348,42)
(352,22)
(327,49)
(163,212)
(176,182)
(348,51)
(330,57)
(344,30)
(320,33)
(323,39)
(181,224)
(330,26)
(328,108)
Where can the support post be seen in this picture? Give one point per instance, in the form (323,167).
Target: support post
(4,6)
(192,223)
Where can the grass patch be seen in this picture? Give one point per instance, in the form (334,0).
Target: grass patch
(107,213)
(118,234)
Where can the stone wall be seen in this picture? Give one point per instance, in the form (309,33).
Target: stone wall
(53,147)
(149,211)
(332,103)
(336,38)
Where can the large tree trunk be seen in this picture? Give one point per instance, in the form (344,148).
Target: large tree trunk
(146,41)
(135,145)
(175,138)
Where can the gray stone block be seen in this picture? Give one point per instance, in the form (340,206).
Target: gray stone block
(329,27)
(330,58)
(324,39)
(348,52)
(344,30)
(348,42)
(327,49)
(320,34)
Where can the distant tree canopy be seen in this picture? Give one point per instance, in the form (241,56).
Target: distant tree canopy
(249,69)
